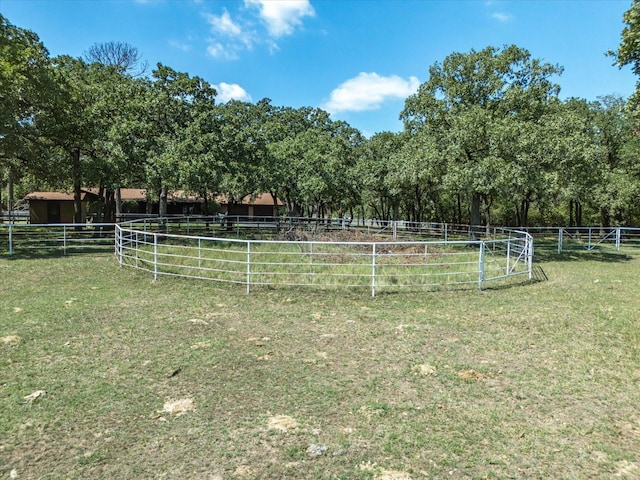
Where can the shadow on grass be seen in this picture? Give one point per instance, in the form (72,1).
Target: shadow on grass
(50,254)
(582,256)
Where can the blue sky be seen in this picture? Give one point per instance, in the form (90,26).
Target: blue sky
(357,59)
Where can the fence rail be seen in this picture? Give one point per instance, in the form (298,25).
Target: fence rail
(567,239)
(59,237)
(375,265)
(29,238)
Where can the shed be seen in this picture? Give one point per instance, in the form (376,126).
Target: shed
(55,207)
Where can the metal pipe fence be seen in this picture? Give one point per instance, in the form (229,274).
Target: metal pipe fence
(374,265)
(57,237)
(568,239)
(65,238)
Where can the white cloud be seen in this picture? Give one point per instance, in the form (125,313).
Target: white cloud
(368,91)
(231,91)
(282,16)
(185,47)
(502,17)
(223,24)
(230,37)
(217,50)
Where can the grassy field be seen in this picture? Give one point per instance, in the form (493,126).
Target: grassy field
(106,374)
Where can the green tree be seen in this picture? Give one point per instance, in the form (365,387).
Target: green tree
(464,106)
(628,52)
(312,160)
(373,170)
(25,84)
(174,100)
(68,124)
(614,195)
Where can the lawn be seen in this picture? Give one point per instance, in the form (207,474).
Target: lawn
(107,374)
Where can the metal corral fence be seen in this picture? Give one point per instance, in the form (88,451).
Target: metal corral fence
(567,239)
(374,265)
(75,238)
(56,238)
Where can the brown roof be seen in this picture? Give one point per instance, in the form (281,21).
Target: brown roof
(135,194)
(140,195)
(49,196)
(262,199)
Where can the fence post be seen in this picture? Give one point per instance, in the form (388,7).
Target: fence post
(530,255)
(119,244)
(618,237)
(155,256)
(373,271)
(64,239)
(560,240)
(248,266)
(446,233)
(481,266)
(10,239)
(508,253)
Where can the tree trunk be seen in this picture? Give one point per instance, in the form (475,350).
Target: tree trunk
(418,205)
(571,224)
(118,205)
(10,195)
(77,187)
(148,206)
(108,206)
(525,213)
(474,216)
(488,201)
(162,206)
(579,214)
(275,204)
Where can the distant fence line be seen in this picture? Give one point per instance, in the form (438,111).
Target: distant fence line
(72,238)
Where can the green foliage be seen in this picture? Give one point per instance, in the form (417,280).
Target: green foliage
(628,52)
(474,107)
(486,140)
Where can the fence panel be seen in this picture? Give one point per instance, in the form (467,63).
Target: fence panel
(376,265)
(56,238)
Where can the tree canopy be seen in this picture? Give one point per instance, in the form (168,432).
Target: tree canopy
(486,140)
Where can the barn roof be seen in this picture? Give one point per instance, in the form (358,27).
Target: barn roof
(140,195)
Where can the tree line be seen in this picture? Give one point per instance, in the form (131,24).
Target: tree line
(486,140)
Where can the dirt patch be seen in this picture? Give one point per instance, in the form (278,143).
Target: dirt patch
(282,423)
(425,370)
(10,340)
(627,469)
(178,407)
(383,474)
(244,471)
